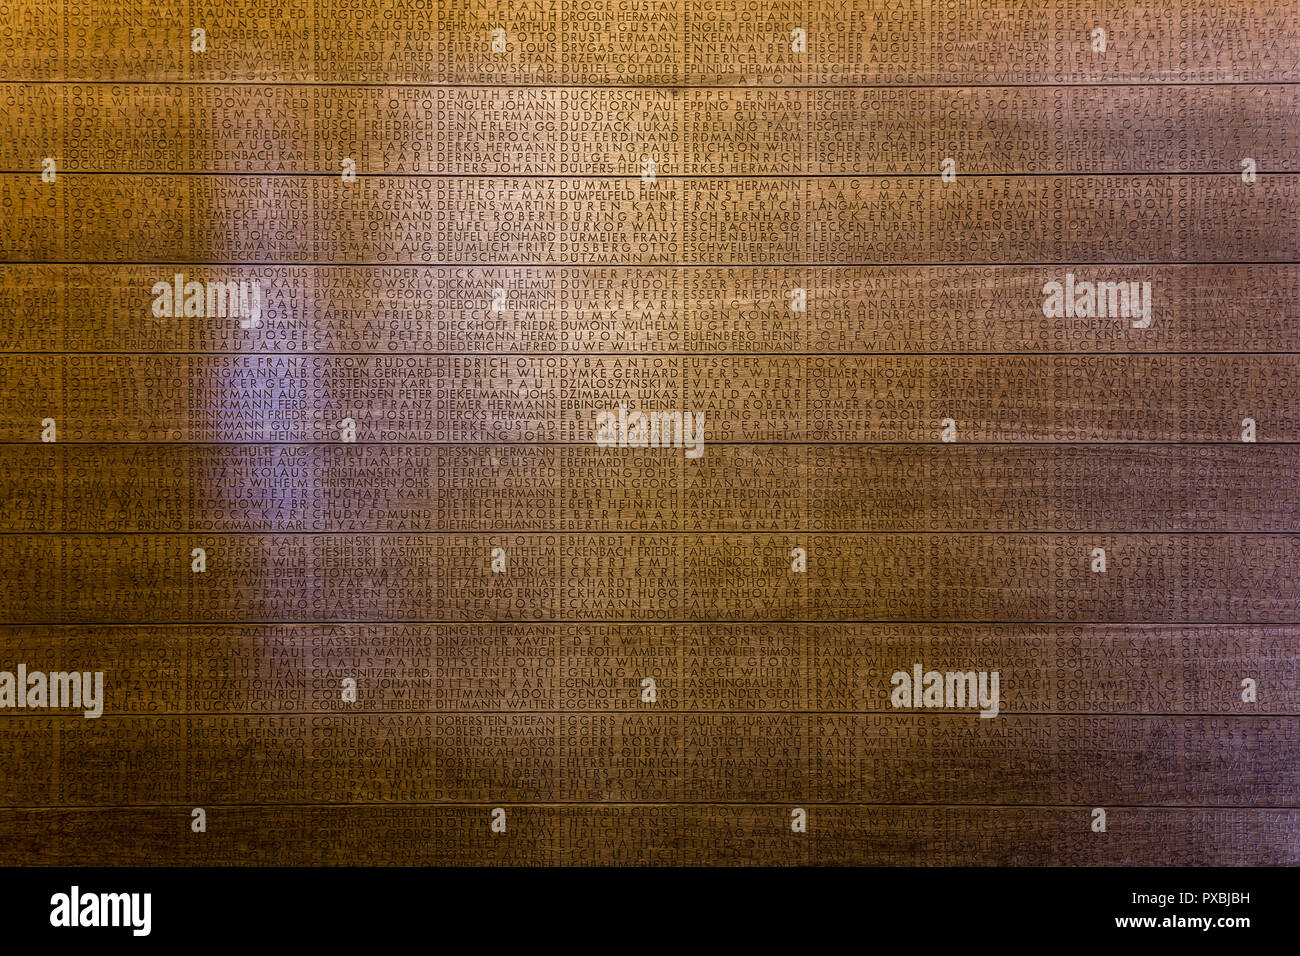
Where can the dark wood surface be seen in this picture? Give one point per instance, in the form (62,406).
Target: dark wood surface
(775,170)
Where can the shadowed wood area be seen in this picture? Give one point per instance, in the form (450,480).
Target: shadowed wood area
(661,834)
(653,419)
(586,668)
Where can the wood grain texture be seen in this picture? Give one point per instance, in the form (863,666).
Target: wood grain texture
(522,131)
(1123,398)
(942,309)
(497,275)
(1167,578)
(701,668)
(780,759)
(613,42)
(174,488)
(659,835)
(903,220)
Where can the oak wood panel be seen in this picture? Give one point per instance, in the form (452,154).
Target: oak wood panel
(898,757)
(613,42)
(489,399)
(593,577)
(921,487)
(773,685)
(618,310)
(743,835)
(977,219)
(604,131)
(598,668)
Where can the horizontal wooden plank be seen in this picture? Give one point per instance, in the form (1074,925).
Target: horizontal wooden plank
(651,835)
(571,131)
(617,309)
(508,221)
(649,42)
(1116,398)
(594,577)
(888,758)
(598,668)
(477,488)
